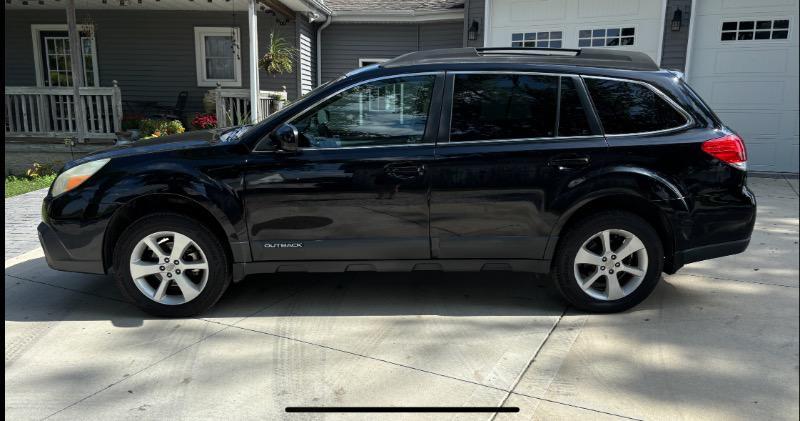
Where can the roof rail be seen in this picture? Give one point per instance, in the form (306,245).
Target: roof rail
(529,50)
(594,57)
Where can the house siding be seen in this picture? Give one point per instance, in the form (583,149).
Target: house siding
(474,10)
(673,53)
(151,54)
(344,43)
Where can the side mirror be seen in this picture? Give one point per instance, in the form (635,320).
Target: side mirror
(285,138)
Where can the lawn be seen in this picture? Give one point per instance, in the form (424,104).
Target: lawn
(19,185)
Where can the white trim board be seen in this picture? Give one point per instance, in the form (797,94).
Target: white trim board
(36,30)
(199,54)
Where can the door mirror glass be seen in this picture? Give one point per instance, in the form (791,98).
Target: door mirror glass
(285,137)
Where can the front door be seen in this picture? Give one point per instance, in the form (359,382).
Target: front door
(358,187)
(514,144)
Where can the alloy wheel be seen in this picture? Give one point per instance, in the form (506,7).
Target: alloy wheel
(169,268)
(611,264)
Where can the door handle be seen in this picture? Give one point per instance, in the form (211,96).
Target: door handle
(405,171)
(569,163)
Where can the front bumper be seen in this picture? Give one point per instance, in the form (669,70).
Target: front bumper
(59,258)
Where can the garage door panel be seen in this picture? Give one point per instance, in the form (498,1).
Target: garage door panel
(760,155)
(739,93)
(753,126)
(520,11)
(604,8)
(756,5)
(752,61)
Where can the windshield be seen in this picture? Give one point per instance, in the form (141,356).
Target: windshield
(234,133)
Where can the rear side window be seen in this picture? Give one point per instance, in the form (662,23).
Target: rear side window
(503,106)
(627,107)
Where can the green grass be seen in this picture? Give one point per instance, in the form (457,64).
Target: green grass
(19,185)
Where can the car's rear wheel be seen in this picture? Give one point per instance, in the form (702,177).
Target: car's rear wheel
(608,262)
(171,265)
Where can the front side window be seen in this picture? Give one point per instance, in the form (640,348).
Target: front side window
(380,113)
(628,108)
(606,37)
(503,106)
(217,56)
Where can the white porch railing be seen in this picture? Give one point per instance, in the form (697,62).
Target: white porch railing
(50,111)
(233,106)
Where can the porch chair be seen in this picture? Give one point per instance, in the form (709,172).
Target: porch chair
(172,112)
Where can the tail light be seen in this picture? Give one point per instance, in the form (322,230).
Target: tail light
(728,149)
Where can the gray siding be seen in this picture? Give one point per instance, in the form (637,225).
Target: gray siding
(150,53)
(673,53)
(474,10)
(344,43)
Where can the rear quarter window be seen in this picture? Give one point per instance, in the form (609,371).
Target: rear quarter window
(628,107)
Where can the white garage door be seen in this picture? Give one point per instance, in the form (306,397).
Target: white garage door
(632,24)
(744,63)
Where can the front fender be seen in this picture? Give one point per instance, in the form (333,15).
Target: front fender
(219,195)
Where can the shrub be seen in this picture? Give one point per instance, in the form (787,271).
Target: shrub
(131,121)
(204,121)
(40,170)
(156,128)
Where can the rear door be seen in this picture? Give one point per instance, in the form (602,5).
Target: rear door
(507,146)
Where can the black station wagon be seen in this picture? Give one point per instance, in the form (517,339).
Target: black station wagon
(593,165)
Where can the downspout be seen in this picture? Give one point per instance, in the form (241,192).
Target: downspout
(328,19)
(689,43)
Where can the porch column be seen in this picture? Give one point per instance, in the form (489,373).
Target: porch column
(253,43)
(76,59)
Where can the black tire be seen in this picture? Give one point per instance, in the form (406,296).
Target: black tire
(219,270)
(583,230)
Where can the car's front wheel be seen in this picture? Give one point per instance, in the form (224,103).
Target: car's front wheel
(171,265)
(608,262)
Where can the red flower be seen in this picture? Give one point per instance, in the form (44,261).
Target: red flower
(204,121)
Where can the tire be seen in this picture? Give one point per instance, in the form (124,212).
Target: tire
(587,282)
(194,289)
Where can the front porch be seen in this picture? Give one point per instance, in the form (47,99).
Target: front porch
(49,112)
(147,53)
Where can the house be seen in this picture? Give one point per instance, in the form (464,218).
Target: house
(740,56)
(140,54)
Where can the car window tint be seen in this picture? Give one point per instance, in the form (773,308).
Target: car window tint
(492,106)
(572,119)
(386,112)
(627,107)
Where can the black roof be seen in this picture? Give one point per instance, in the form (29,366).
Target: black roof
(591,57)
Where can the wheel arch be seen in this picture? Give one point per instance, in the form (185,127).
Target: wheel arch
(656,213)
(160,203)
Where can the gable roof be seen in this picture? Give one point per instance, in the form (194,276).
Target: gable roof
(383,6)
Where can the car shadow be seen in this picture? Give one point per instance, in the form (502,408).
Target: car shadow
(36,293)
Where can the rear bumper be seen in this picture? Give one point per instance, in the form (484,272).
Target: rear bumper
(59,258)
(711,251)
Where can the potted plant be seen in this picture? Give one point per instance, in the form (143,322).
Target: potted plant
(279,57)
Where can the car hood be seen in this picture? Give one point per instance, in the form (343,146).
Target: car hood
(187,140)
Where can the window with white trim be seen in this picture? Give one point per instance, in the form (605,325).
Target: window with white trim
(217,55)
(545,39)
(52,56)
(606,37)
(747,30)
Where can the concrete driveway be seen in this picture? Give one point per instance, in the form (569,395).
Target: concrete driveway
(717,341)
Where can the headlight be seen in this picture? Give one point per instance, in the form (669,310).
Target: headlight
(75,176)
